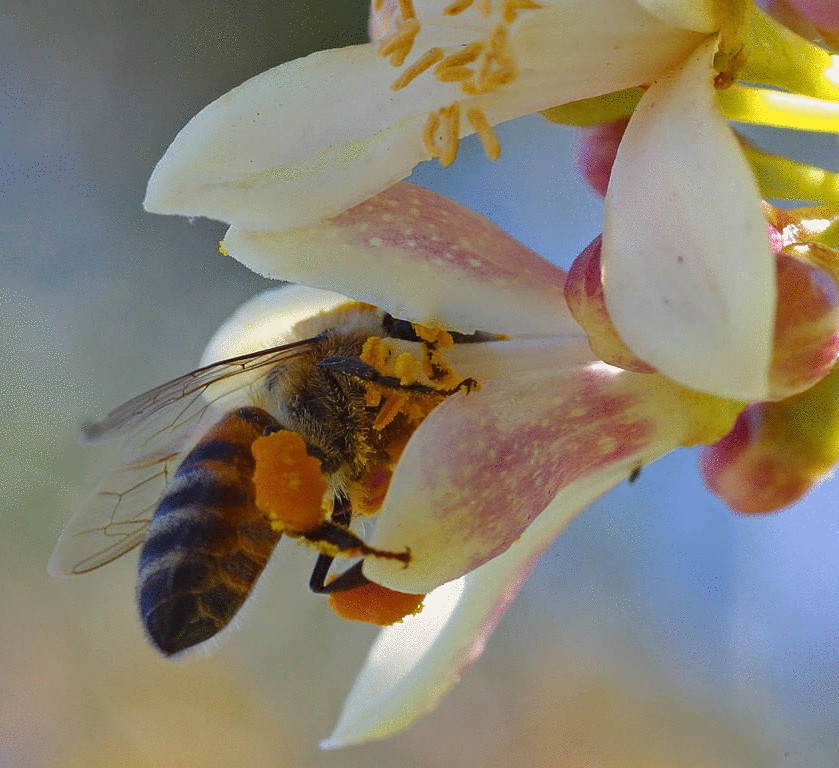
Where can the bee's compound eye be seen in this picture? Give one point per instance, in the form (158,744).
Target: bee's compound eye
(288,482)
(374,604)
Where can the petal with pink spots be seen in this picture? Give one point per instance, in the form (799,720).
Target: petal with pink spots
(420,256)
(483,466)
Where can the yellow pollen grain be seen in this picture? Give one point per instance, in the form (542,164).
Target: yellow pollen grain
(424,62)
(406,368)
(375,352)
(478,120)
(392,406)
(485,7)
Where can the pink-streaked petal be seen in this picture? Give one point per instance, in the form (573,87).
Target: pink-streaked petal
(688,273)
(697,15)
(421,257)
(483,466)
(412,665)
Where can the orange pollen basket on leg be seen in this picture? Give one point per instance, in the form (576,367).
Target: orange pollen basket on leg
(288,482)
(374,604)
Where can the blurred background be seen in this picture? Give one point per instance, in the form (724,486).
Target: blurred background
(661,630)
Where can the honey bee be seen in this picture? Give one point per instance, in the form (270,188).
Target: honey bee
(182,486)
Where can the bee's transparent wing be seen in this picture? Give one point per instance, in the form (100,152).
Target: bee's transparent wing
(156,428)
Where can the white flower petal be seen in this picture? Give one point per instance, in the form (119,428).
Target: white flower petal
(267,320)
(295,144)
(697,15)
(422,257)
(413,664)
(481,467)
(688,274)
(310,138)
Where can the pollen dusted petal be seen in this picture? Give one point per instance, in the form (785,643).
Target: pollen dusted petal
(413,664)
(681,201)
(482,466)
(436,262)
(288,481)
(373,604)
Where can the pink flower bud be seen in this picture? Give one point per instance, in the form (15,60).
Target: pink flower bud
(595,153)
(585,299)
(776,451)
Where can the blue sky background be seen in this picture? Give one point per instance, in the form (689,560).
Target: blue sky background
(660,630)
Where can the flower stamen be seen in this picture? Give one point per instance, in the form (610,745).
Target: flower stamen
(398,45)
(431,57)
(456,7)
(441,133)
(478,120)
(512,8)
(479,67)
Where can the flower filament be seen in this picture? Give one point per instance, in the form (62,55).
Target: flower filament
(478,68)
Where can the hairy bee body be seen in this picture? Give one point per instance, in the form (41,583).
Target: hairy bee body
(182,486)
(207,543)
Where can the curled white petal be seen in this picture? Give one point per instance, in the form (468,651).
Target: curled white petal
(413,664)
(313,137)
(688,274)
(267,320)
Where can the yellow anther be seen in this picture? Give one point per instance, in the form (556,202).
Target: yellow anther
(513,7)
(453,74)
(497,42)
(465,55)
(441,133)
(451,134)
(424,62)
(429,133)
(399,44)
(478,120)
(377,5)
(407,8)
(485,7)
(458,6)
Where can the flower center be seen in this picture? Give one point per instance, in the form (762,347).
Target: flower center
(477,68)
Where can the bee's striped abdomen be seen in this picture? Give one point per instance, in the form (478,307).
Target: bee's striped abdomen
(208,542)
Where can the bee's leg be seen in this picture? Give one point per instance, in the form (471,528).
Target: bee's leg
(352,366)
(345,542)
(349,579)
